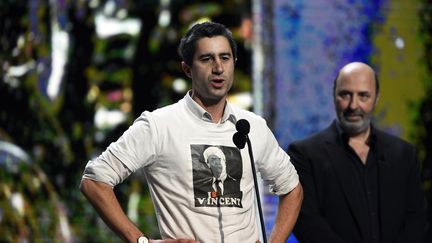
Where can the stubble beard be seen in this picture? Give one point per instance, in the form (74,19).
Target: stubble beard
(217,95)
(354,128)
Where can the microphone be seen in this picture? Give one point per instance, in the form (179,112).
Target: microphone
(240,138)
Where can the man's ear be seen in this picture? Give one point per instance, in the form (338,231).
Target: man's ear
(186,69)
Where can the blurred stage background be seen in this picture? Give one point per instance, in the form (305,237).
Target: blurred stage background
(75,74)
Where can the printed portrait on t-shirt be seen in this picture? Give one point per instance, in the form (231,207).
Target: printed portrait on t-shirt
(217,171)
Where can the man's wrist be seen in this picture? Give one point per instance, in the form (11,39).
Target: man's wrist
(143,239)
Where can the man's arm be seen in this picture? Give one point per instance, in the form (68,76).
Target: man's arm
(103,199)
(286,217)
(415,218)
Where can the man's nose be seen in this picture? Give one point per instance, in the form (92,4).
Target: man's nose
(353,105)
(217,66)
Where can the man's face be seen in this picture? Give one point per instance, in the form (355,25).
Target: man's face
(212,69)
(215,164)
(355,99)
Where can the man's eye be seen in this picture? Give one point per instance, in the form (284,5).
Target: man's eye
(344,95)
(364,96)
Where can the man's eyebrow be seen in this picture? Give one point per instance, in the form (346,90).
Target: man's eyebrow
(206,55)
(225,54)
(212,54)
(343,91)
(364,92)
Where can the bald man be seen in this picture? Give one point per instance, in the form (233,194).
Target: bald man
(360,184)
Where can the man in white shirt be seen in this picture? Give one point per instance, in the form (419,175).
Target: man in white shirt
(170,142)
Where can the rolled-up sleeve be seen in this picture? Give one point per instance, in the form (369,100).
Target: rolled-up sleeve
(111,171)
(136,148)
(285,181)
(275,166)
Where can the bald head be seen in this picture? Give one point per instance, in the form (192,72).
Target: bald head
(356,69)
(355,96)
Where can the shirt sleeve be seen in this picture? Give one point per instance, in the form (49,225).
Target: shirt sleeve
(136,148)
(274,165)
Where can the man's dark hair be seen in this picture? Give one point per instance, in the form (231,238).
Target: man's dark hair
(186,49)
(377,86)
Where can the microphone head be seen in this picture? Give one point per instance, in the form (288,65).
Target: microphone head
(240,137)
(239,140)
(243,126)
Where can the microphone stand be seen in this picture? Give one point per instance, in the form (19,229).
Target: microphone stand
(256,189)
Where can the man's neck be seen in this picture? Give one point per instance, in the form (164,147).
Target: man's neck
(359,143)
(215,109)
(360,137)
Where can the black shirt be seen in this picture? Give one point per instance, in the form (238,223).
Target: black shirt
(367,177)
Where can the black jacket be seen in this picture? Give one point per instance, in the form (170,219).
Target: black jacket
(333,210)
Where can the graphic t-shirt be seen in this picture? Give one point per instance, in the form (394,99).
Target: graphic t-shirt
(201,184)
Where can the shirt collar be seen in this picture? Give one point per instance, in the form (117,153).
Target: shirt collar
(199,112)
